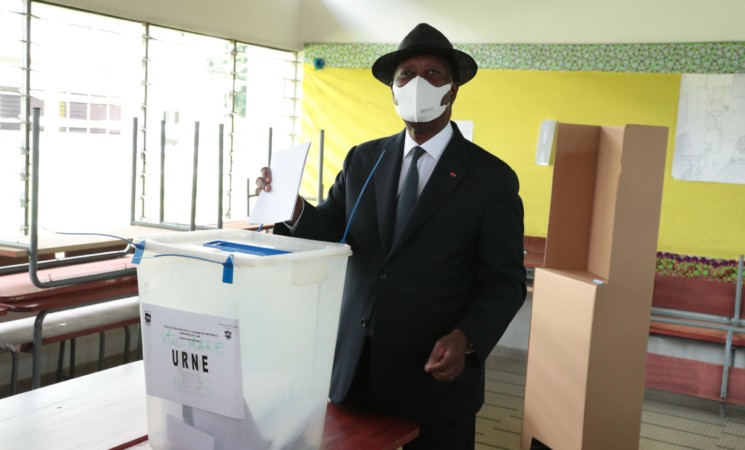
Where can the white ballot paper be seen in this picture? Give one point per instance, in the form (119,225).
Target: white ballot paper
(278,204)
(193,359)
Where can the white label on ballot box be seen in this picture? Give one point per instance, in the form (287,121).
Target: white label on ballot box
(193,359)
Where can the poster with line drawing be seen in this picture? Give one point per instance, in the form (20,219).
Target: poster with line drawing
(710,135)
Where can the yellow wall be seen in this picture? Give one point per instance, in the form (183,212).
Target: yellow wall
(507,107)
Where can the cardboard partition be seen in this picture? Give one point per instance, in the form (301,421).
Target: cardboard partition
(591,301)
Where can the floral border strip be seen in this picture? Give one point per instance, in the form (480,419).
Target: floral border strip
(706,57)
(697,267)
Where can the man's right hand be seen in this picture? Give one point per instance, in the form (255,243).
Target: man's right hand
(264,182)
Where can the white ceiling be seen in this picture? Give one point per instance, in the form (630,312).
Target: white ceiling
(289,24)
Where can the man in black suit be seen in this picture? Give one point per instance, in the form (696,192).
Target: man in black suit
(428,294)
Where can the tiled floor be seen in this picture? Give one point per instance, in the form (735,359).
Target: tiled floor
(669,421)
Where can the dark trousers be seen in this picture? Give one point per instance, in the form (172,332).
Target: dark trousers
(460,435)
(360,393)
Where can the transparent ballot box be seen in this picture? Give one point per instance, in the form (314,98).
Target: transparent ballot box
(238,331)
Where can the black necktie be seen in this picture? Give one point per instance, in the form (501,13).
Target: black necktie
(407,197)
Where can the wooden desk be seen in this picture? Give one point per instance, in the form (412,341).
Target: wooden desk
(352,429)
(20,295)
(96,411)
(107,409)
(17,287)
(533,260)
(535,251)
(50,242)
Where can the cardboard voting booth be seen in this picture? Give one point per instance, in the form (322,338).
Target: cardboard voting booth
(239,330)
(592,299)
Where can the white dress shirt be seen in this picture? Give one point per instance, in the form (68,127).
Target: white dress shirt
(433,149)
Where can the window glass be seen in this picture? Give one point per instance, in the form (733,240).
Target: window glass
(265,101)
(94,79)
(12,51)
(85,64)
(189,81)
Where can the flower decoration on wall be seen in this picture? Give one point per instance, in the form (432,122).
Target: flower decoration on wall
(697,267)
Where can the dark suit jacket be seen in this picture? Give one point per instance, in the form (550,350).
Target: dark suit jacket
(457,264)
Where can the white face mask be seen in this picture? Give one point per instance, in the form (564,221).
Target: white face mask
(419,101)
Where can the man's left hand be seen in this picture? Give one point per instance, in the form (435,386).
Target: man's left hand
(448,357)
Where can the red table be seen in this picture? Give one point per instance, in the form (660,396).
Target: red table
(18,294)
(351,429)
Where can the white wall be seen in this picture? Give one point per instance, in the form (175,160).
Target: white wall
(288,24)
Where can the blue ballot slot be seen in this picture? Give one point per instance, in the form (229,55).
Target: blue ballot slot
(245,248)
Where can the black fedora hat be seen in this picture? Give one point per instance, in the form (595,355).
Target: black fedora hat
(425,40)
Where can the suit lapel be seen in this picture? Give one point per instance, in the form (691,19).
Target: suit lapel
(448,173)
(386,185)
